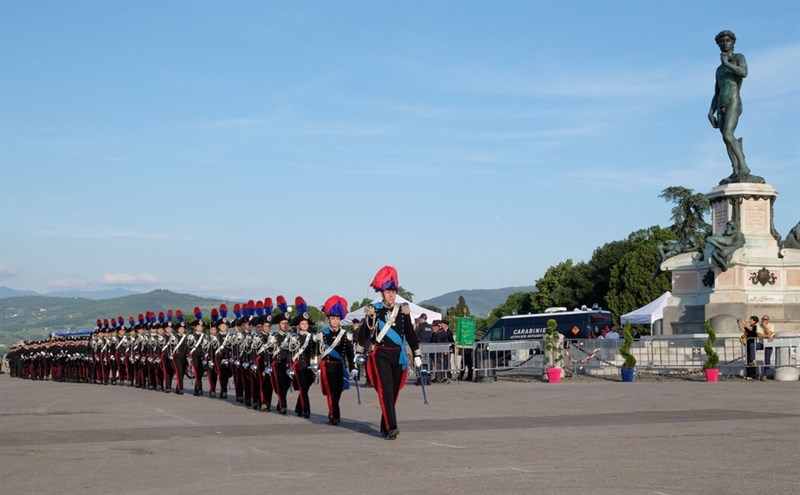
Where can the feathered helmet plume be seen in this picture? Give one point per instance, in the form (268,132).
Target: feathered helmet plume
(335,306)
(386,278)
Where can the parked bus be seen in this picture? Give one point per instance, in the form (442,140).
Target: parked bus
(578,324)
(500,346)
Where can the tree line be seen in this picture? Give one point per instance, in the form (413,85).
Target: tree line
(621,275)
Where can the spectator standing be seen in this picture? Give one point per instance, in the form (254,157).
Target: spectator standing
(441,335)
(766,330)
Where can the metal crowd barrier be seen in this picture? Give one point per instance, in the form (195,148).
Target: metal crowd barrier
(654,355)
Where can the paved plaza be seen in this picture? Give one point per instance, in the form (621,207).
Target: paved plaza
(597,436)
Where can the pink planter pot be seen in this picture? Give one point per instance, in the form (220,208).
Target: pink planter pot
(554,375)
(712,375)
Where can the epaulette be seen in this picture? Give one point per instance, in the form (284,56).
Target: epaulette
(405,308)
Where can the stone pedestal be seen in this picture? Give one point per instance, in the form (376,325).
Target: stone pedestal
(761,277)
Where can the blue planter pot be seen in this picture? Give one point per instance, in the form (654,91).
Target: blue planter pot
(628,374)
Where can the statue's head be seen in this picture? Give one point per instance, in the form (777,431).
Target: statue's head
(725,34)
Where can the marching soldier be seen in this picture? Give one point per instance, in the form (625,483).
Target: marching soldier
(389,328)
(335,352)
(222,356)
(236,353)
(195,353)
(256,366)
(280,356)
(264,359)
(244,356)
(302,353)
(210,346)
(179,352)
(167,367)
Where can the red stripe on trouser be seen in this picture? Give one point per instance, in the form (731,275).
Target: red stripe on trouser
(374,379)
(276,385)
(326,389)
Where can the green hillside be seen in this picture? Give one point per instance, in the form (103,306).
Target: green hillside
(33,317)
(480,301)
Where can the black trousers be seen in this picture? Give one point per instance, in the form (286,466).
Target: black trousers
(303,377)
(197,364)
(280,382)
(388,377)
(179,363)
(331,379)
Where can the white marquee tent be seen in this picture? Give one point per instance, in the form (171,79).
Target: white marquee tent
(415,312)
(649,314)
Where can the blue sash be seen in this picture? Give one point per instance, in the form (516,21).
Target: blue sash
(397,339)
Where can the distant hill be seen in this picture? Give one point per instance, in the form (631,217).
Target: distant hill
(88,294)
(32,317)
(92,294)
(9,292)
(480,301)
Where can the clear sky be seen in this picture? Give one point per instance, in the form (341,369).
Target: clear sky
(250,149)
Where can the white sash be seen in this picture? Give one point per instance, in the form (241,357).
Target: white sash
(303,348)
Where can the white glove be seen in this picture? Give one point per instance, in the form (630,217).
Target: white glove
(418,362)
(354,374)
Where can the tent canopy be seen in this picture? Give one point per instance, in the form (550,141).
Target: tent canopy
(415,311)
(649,314)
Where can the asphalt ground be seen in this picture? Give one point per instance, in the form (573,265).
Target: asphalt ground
(583,436)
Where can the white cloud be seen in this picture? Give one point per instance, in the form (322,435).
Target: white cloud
(129,279)
(8,271)
(66,283)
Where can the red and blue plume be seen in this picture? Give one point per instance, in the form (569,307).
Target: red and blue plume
(386,278)
(260,308)
(120,321)
(282,304)
(179,316)
(113,323)
(268,306)
(169,315)
(335,306)
(131,322)
(99,323)
(197,313)
(105,322)
(223,311)
(161,317)
(300,305)
(141,319)
(251,308)
(237,310)
(214,314)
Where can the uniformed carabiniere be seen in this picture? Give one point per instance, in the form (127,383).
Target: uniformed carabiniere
(179,352)
(336,357)
(389,328)
(280,359)
(195,352)
(302,351)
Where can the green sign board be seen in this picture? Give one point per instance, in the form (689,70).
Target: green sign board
(465,331)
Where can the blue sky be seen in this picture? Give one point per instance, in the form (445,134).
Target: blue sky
(249,149)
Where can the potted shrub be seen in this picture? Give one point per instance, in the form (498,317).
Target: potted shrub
(712,358)
(629,362)
(553,351)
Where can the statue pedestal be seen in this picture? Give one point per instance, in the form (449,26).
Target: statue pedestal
(760,279)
